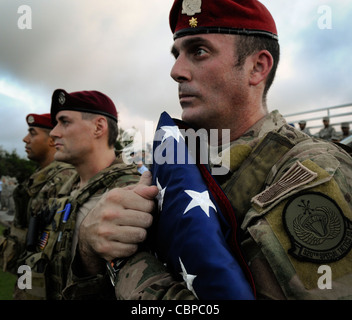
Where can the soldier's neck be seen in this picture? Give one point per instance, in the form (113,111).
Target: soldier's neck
(91,167)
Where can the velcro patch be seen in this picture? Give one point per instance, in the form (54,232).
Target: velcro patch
(296,176)
(318,230)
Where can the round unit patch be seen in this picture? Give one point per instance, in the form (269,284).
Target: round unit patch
(318,230)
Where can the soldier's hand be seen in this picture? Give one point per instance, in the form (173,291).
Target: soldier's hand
(117,224)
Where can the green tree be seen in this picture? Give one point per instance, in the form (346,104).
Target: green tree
(123,139)
(12,165)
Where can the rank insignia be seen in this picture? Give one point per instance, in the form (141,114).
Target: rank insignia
(193,22)
(191,7)
(318,230)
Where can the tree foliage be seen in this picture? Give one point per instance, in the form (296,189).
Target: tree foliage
(12,165)
(123,139)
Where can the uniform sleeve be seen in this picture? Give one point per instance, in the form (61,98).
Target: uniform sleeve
(144,277)
(299,235)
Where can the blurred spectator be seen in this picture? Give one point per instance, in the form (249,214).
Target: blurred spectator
(302,126)
(345,127)
(328,131)
(7,202)
(338,136)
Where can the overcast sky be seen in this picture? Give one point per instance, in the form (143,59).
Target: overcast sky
(122,48)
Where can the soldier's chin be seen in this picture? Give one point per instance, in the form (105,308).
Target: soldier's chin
(59,156)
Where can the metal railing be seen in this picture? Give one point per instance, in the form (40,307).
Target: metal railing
(314,118)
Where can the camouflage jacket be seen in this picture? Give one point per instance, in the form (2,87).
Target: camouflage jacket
(292,198)
(326,133)
(50,262)
(143,277)
(292,195)
(31,199)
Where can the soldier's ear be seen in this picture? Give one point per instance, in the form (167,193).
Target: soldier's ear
(51,142)
(262,64)
(101,126)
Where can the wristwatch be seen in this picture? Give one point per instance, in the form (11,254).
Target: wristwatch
(114,267)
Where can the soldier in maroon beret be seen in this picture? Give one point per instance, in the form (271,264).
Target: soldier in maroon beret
(291,194)
(39,144)
(85,133)
(213,31)
(31,196)
(70,113)
(84,101)
(226,55)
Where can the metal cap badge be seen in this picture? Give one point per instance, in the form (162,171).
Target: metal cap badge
(245,17)
(39,120)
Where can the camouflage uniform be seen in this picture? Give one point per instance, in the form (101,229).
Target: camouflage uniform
(292,197)
(51,262)
(31,199)
(327,133)
(147,278)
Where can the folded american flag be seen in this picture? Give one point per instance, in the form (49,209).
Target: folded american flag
(193,237)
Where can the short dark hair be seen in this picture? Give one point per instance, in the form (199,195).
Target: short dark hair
(247,45)
(112,127)
(113,131)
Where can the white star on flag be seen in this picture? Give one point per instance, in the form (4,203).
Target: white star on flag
(161,194)
(171,131)
(188,278)
(200,199)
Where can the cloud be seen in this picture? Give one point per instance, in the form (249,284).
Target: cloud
(314,64)
(122,48)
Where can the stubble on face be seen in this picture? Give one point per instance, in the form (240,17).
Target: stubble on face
(74,141)
(215,87)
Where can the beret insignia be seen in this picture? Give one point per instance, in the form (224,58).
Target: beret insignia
(193,22)
(244,17)
(30,120)
(191,7)
(62,98)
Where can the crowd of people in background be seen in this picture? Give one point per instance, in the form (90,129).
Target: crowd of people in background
(7,185)
(328,132)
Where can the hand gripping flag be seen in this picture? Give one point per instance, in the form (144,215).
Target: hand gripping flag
(193,237)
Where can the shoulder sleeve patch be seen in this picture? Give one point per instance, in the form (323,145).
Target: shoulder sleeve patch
(318,230)
(296,176)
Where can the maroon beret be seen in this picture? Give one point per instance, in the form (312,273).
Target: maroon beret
(83,101)
(39,120)
(246,17)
